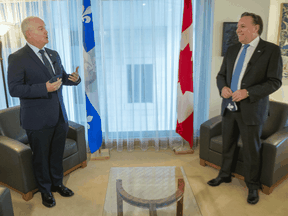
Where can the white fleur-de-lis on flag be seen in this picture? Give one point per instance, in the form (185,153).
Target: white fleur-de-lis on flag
(89,119)
(86,18)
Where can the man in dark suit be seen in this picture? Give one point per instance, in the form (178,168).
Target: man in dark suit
(36,75)
(251,70)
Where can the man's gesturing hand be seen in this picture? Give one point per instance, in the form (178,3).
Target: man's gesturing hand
(74,76)
(239,95)
(226,92)
(51,87)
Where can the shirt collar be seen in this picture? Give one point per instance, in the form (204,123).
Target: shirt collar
(34,48)
(254,43)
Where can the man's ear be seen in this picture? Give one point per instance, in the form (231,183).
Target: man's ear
(257,27)
(28,35)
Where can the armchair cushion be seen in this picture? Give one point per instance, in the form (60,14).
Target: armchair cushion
(217,146)
(70,148)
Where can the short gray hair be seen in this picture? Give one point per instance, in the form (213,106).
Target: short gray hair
(26,24)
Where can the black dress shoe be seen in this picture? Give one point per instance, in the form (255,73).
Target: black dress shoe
(253,196)
(48,200)
(62,190)
(217,181)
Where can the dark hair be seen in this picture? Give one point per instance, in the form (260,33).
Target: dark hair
(257,20)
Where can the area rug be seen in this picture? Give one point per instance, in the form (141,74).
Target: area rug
(148,183)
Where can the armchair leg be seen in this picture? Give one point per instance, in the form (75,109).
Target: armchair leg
(84,164)
(266,190)
(202,162)
(28,196)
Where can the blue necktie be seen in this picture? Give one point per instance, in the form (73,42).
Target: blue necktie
(47,63)
(238,69)
(235,78)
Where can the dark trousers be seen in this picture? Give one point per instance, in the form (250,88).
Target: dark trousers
(48,148)
(232,127)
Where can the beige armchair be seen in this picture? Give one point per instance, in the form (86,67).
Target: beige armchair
(16,155)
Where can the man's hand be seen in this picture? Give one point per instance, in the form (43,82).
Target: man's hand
(239,95)
(74,77)
(51,87)
(226,92)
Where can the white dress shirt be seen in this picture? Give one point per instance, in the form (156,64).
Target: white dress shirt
(250,50)
(36,51)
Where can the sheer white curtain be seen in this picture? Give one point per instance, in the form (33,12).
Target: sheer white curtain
(203,19)
(137,54)
(64,24)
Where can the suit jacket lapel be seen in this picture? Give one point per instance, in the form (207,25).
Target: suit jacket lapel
(32,54)
(233,57)
(53,59)
(260,49)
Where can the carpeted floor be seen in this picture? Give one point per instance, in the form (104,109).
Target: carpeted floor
(90,184)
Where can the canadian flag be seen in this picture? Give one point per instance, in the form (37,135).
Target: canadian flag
(185,77)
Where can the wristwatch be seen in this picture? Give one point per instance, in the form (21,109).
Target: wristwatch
(247,93)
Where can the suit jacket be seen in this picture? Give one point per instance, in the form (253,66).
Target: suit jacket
(27,77)
(262,77)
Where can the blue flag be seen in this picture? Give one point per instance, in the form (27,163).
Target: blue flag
(91,87)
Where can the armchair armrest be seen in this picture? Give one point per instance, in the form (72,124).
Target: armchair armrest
(77,133)
(275,157)
(209,129)
(16,165)
(6,207)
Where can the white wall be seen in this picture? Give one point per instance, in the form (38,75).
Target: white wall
(274,18)
(230,11)
(273,34)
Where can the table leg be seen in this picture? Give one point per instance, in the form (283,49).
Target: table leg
(180,207)
(119,203)
(181,184)
(152,210)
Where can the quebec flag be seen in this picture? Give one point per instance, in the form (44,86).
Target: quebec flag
(91,87)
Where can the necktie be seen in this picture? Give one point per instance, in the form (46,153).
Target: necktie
(235,78)
(47,63)
(238,69)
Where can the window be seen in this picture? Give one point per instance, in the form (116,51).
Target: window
(140,83)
